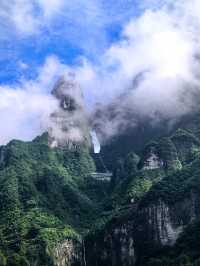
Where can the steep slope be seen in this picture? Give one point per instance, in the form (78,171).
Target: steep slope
(123,130)
(152,209)
(44,210)
(54,212)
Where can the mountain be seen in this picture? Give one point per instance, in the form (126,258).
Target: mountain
(128,131)
(43,199)
(69,123)
(57,210)
(122,129)
(154,205)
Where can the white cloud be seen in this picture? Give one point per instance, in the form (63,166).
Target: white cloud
(148,45)
(22,113)
(162,48)
(158,49)
(50,7)
(28,17)
(50,71)
(20,15)
(25,109)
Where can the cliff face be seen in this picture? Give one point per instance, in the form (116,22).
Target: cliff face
(160,224)
(159,218)
(115,246)
(148,230)
(42,197)
(54,213)
(68,253)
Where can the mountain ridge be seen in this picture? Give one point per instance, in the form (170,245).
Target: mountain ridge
(54,213)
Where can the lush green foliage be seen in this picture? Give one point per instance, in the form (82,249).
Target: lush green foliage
(42,199)
(47,195)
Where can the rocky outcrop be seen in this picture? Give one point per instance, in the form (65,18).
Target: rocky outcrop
(151,228)
(69,123)
(112,247)
(152,162)
(68,253)
(162,154)
(160,224)
(150,159)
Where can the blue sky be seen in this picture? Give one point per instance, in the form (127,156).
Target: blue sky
(108,44)
(32,30)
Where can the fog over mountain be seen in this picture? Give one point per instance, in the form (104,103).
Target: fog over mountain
(99,133)
(151,71)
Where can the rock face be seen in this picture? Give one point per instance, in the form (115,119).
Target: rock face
(68,253)
(69,124)
(160,224)
(157,222)
(151,158)
(162,154)
(114,247)
(161,215)
(152,162)
(149,228)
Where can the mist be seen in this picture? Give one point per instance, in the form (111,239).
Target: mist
(151,71)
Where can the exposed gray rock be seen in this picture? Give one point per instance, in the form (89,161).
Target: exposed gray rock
(114,247)
(160,224)
(68,253)
(151,227)
(152,162)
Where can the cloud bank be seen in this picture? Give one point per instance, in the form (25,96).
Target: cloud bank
(154,67)
(25,108)
(151,71)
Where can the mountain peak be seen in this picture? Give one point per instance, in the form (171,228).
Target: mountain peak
(68,92)
(69,123)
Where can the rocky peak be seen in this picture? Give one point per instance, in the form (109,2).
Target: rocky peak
(69,124)
(68,92)
(152,162)
(151,159)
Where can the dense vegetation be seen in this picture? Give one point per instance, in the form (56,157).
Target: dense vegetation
(134,186)
(43,199)
(48,195)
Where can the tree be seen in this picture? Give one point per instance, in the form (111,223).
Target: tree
(130,164)
(184,260)
(17,260)
(118,173)
(3,261)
